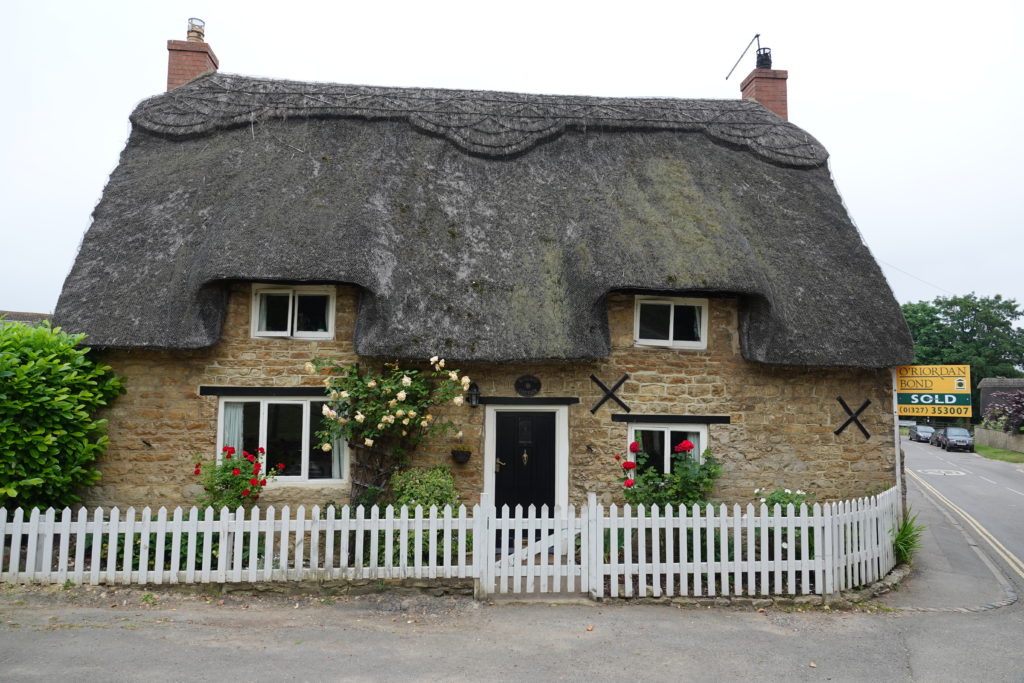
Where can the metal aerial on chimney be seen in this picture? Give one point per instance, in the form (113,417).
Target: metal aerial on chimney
(764,55)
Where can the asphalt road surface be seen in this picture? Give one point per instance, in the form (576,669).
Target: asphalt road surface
(990,492)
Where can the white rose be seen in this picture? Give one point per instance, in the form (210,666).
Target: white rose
(380,425)
(399,412)
(406,380)
(800,493)
(424,423)
(342,420)
(757,491)
(372,383)
(401,395)
(360,417)
(440,363)
(392,403)
(762,500)
(459,435)
(465,380)
(453,376)
(343,394)
(325,447)
(788,491)
(405,421)
(367,442)
(309,368)
(412,413)
(404,432)
(457,400)
(433,359)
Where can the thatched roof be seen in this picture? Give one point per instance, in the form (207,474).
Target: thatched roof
(479,225)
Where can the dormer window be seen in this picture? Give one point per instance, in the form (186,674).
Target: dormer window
(671,322)
(305,312)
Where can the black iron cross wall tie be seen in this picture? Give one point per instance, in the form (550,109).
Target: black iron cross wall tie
(853,417)
(609,393)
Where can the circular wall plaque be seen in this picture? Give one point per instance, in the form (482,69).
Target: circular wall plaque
(527,385)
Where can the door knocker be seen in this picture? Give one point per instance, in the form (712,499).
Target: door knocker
(526,457)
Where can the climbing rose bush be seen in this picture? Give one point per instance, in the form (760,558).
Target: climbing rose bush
(391,408)
(234,481)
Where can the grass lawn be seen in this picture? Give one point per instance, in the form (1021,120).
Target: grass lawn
(999,454)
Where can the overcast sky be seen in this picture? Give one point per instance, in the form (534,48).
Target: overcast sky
(918,103)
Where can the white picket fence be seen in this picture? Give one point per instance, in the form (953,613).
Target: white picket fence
(717,551)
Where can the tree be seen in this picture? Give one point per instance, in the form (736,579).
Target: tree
(969,330)
(50,388)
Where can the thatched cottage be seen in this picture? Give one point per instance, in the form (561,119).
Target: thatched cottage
(605,269)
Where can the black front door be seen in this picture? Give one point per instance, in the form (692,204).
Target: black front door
(524,460)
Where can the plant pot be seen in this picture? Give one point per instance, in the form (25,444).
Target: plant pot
(461,456)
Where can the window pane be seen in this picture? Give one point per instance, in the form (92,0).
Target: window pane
(654,321)
(311,312)
(652,442)
(687,324)
(250,427)
(284,437)
(273,312)
(676,438)
(321,465)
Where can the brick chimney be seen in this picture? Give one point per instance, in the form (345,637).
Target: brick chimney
(767,86)
(188,59)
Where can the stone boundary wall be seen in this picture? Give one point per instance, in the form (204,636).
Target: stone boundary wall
(999,439)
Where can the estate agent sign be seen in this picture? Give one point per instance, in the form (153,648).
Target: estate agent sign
(934,390)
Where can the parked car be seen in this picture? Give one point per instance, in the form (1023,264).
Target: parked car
(936,438)
(920,433)
(957,439)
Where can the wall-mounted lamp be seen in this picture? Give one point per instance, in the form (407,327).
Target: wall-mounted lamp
(474,395)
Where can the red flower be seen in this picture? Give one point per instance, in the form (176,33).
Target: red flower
(245,492)
(230,450)
(197,471)
(254,482)
(684,446)
(280,465)
(629,465)
(618,457)
(228,456)
(256,467)
(198,465)
(260,450)
(236,472)
(250,457)
(634,447)
(263,482)
(628,483)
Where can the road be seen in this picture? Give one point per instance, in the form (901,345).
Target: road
(990,492)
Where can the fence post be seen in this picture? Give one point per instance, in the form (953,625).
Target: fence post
(595,542)
(483,547)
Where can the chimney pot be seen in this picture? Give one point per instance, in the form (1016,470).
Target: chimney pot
(197,31)
(764,58)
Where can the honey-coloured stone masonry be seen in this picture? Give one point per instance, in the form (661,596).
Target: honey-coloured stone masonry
(780,431)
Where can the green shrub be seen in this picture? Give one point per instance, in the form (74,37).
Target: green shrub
(50,388)
(906,539)
(424,486)
(689,483)
(782,498)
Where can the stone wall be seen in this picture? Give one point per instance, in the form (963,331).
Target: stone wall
(780,434)
(999,439)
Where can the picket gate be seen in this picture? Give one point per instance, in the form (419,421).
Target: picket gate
(613,551)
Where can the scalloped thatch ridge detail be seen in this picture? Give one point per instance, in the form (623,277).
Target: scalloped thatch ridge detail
(489,124)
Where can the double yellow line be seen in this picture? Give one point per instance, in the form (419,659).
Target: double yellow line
(1012,560)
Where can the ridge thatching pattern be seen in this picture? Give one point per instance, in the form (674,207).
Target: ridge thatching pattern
(491,124)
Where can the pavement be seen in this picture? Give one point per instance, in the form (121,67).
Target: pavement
(954,571)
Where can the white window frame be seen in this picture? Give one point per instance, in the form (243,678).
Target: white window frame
(339,451)
(293,293)
(668,427)
(699,345)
